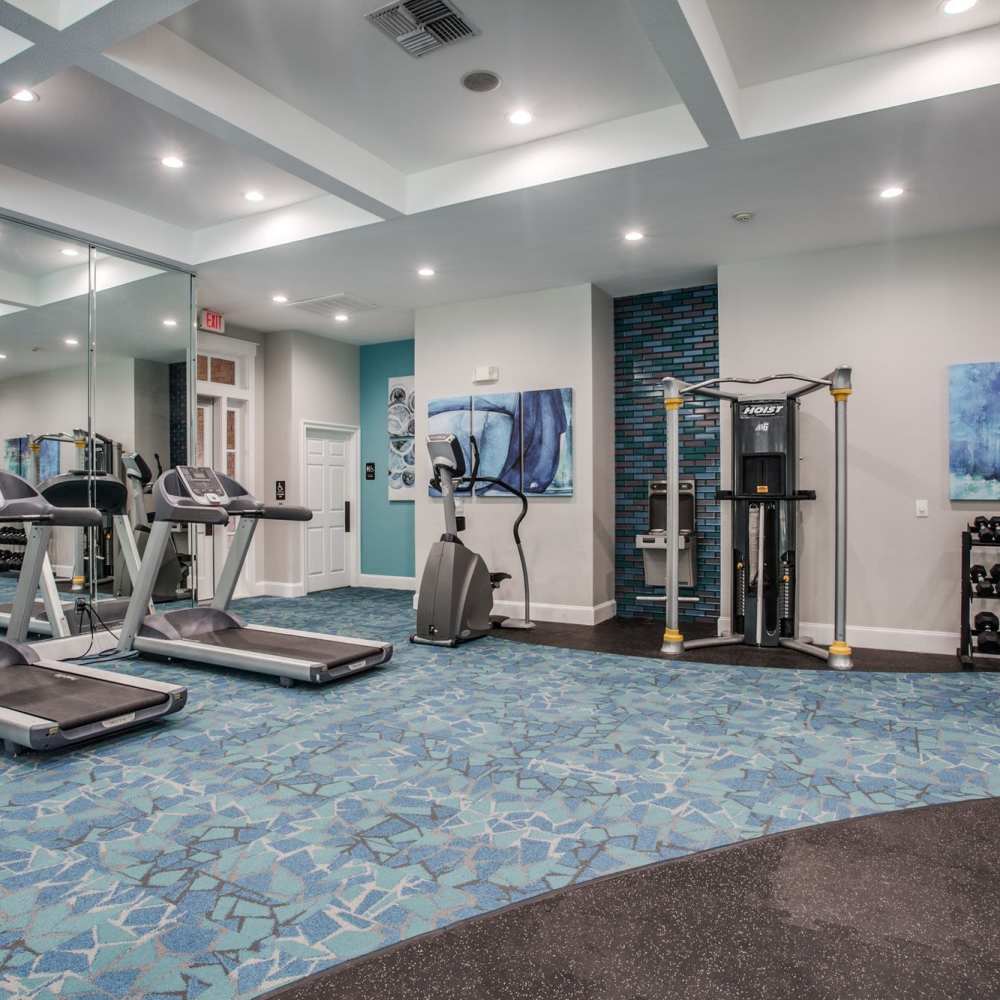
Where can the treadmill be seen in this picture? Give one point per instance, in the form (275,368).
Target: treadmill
(213,635)
(45,704)
(51,616)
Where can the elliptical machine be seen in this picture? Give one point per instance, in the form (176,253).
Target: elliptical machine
(455,601)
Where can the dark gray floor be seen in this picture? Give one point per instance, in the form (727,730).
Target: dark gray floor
(902,906)
(641,637)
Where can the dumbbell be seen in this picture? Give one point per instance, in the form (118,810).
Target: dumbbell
(979,524)
(980,580)
(988,632)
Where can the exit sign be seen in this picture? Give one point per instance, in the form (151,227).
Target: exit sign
(211,321)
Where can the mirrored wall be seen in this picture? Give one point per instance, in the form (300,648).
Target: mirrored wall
(95,375)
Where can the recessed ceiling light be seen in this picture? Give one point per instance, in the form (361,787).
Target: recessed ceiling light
(426,272)
(520,117)
(25,96)
(341,317)
(254,196)
(170,322)
(69,252)
(633,236)
(70,341)
(3,357)
(280,299)
(743,217)
(173,162)
(958,6)
(891,192)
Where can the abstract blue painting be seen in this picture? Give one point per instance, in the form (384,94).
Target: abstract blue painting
(548,442)
(525,439)
(974,431)
(496,424)
(451,415)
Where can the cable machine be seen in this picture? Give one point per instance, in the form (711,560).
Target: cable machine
(765,498)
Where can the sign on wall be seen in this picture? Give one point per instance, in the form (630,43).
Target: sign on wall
(211,321)
(400,426)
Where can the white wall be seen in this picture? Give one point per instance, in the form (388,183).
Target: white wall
(541,340)
(900,314)
(304,378)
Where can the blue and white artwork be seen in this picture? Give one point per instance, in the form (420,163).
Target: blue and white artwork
(974,431)
(548,442)
(400,426)
(21,460)
(451,415)
(525,439)
(496,424)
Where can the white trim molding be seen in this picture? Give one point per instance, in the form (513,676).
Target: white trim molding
(272,588)
(566,614)
(905,640)
(386,582)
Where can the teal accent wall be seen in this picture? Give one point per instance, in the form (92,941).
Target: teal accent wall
(387,528)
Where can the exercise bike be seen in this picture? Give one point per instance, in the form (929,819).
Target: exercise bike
(455,601)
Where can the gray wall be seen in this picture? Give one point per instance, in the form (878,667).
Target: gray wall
(539,340)
(900,314)
(304,378)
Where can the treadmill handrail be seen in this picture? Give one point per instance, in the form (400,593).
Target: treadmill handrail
(266,512)
(29,511)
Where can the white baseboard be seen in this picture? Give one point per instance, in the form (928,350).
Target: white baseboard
(567,614)
(387,582)
(63,572)
(271,588)
(906,640)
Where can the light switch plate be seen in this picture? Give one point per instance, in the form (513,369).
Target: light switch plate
(923,510)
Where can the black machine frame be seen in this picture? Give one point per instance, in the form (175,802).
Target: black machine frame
(765,498)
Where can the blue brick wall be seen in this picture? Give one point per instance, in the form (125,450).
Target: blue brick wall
(660,334)
(178,414)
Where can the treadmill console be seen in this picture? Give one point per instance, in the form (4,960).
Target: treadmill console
(202,485)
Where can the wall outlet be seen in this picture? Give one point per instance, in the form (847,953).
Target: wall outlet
(923,510)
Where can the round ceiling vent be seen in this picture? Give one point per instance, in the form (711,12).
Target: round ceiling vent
(480,81)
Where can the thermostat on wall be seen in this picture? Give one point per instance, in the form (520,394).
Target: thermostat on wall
(486,373)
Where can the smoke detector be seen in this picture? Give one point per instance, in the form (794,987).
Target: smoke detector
(743,217)
(422,26)
(481,81)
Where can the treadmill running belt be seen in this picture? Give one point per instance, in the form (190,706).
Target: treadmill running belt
(297,647)
(71,700)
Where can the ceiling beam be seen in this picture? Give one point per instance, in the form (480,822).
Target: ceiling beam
(53,51)
(687,41)
(164,70)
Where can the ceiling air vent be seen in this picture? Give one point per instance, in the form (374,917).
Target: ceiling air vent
(422,26)
(327,305)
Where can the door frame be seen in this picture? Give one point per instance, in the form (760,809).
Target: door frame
(244,354)
(354,480)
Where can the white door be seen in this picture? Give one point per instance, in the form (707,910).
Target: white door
(328,486)
(205,455)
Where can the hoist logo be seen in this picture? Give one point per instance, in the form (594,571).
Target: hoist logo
(751,410)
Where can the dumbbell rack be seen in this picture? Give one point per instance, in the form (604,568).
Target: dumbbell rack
(967,655)
(16,538)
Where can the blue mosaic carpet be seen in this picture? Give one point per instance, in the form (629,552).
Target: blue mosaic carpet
(266,833)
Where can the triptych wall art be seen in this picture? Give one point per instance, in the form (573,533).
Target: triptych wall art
(524,438)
